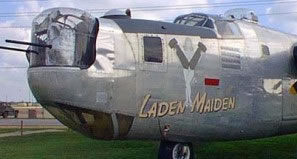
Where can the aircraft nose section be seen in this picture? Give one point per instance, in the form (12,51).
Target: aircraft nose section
(64,85)
(72,99)
(43,85)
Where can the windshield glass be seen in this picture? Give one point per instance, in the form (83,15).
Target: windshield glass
(72,34)
(195,19)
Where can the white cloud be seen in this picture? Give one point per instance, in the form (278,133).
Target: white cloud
(12,58)
(285,22)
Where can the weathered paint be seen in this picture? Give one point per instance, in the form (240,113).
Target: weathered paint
(244,105)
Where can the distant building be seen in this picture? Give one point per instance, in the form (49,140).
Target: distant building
(4,104)
(24,104)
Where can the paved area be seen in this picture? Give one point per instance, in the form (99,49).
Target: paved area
(30,122)
(18,133)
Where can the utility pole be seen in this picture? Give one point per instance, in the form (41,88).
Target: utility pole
(29,96)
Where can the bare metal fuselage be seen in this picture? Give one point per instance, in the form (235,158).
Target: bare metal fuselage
(235,90)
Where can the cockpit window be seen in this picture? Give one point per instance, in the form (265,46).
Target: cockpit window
(225,28)
(192,22)
(195,19)
(72,34)
(209,24)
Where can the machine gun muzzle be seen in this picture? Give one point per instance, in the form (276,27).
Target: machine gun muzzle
(24,43)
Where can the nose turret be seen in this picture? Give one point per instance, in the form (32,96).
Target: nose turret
(71,33)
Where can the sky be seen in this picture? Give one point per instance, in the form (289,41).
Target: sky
(13,81)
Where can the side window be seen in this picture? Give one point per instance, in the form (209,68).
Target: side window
(265,50)
(295,54)
(153,49)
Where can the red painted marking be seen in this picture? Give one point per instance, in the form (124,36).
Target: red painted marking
(212,82)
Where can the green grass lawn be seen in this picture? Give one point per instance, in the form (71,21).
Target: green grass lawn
(10,130)
(72,145)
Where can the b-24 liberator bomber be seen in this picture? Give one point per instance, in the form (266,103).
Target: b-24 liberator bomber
(202,78)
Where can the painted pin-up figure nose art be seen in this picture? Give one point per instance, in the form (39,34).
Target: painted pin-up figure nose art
(189,60)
